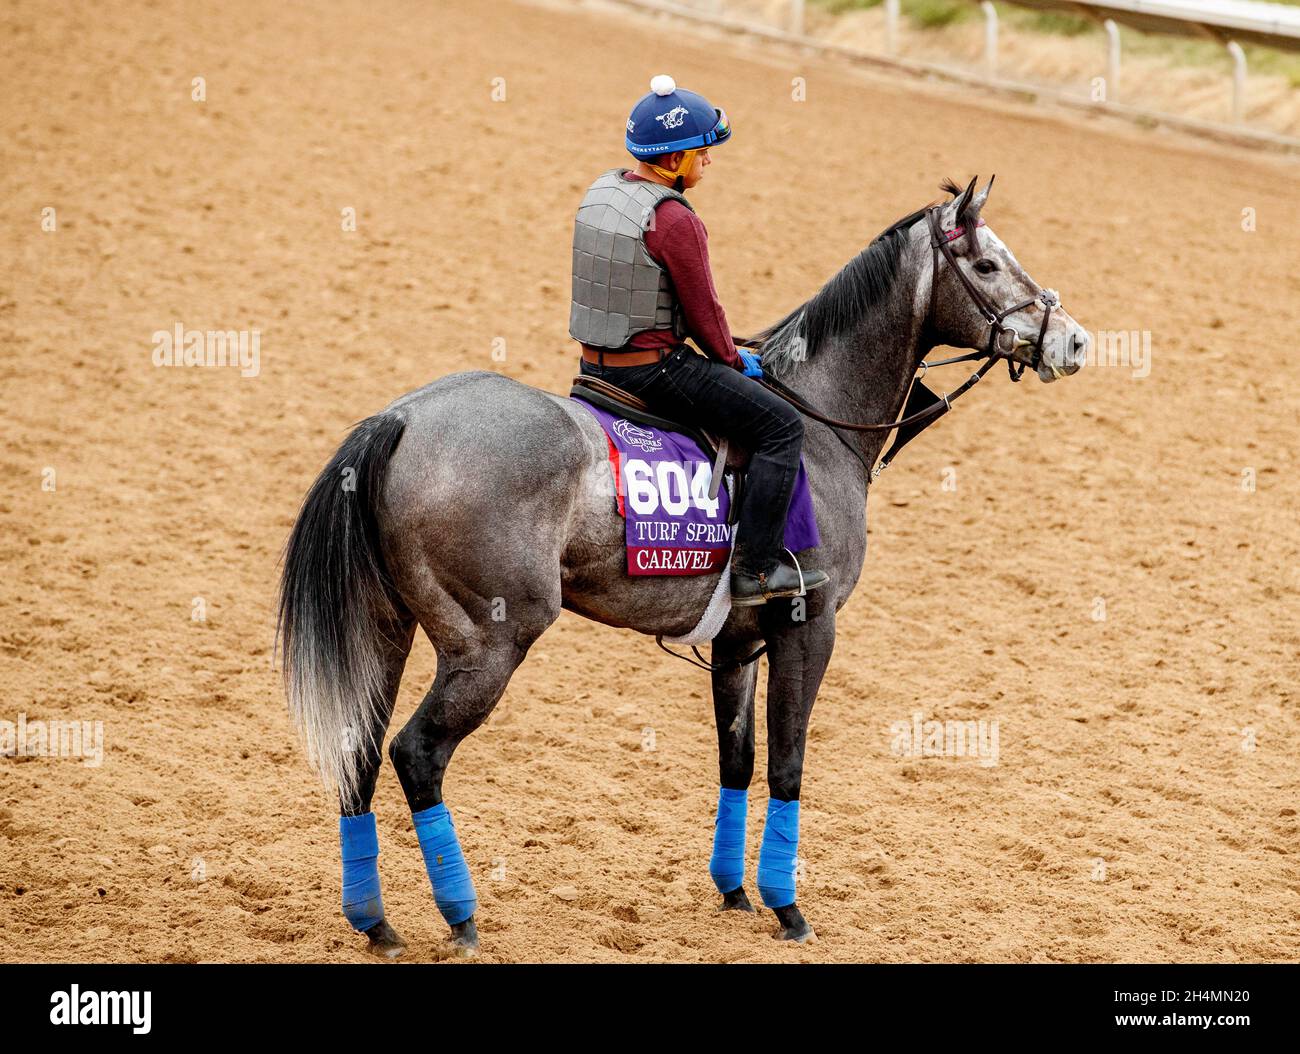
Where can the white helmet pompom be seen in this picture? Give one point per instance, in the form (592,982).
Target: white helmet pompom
(663,84)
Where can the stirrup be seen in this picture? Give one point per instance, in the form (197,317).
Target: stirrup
(803,589)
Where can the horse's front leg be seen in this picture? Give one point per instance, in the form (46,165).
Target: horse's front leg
(733,710)
(798,652)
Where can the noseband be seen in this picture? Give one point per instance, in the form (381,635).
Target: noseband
(941,242)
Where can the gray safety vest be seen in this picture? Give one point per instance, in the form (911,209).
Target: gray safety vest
(618,288)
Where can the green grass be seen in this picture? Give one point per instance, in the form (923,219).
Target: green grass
(928,14)
(1052,22)
(931,14)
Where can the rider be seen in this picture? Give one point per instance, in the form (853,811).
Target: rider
(642,282)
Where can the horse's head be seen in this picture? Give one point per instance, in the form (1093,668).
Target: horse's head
(978,280)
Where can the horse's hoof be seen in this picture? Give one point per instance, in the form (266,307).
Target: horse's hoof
(384,941)
(464,939)
(794,927)
(736,900)
(804,936)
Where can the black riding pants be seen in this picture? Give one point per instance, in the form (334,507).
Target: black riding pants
(707,394)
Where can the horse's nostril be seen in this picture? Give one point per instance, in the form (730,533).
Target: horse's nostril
(1076,353)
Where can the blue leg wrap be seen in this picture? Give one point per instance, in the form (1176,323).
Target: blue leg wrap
(727,865)
(776,860)
(453,889)
(359,843)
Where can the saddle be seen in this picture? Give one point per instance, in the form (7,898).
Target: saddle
(717,449)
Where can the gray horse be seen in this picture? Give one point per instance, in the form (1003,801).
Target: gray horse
(477,508)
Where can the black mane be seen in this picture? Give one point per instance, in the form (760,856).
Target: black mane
(845,300)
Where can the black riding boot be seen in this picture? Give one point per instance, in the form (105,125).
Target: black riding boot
(781,581)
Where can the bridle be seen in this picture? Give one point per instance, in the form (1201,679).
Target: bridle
(941,242)
(923,407)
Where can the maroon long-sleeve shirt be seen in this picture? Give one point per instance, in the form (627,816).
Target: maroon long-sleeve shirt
(680,244)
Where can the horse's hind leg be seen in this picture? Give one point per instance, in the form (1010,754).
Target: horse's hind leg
(473,672)
(362,904)
(733,711)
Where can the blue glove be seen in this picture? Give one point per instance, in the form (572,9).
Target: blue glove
(753,365)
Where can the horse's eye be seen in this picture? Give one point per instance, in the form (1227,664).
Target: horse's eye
(985,266)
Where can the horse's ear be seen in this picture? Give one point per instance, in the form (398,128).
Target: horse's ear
(983,196)
(964,201)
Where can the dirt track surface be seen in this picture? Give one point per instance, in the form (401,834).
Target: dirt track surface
(205,836)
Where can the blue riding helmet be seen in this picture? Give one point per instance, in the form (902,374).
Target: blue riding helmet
(671,118)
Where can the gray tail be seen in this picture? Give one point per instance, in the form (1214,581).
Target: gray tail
(336,601)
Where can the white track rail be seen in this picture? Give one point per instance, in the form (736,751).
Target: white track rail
(1262,23)
(1248,21)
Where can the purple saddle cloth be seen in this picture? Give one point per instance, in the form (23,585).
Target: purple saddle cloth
(662,491)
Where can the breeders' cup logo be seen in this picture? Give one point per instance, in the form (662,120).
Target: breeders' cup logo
(674,117)
(642,438)
(631,126)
